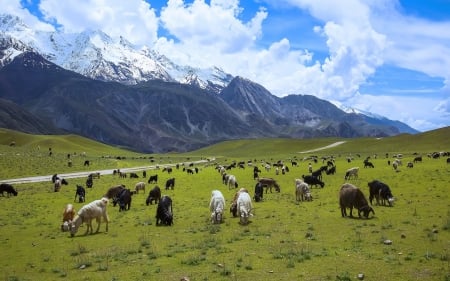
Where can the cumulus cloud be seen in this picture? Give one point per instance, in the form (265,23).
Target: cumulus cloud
(15,8)
(133,19)
(360,37)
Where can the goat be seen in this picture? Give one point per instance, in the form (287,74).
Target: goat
(302,191)
(140,186)
(351,173)
(352,197)
(94,210)
(216,206)
(68,215)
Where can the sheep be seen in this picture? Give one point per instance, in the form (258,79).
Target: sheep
(352,197)
(244,208)
(302,191)
(216,206)
(351,173)
(68,215)
(94,210)
(140,186)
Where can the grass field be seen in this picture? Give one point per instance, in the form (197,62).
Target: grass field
(285,240)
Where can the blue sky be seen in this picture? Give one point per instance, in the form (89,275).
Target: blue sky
(385,56)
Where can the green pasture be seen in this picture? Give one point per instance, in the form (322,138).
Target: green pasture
(285,240)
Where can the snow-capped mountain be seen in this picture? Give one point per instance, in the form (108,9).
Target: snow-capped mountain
(349,109)
(96,55)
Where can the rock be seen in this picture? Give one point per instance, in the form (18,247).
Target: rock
(387,242)
(361,276)
(403,235)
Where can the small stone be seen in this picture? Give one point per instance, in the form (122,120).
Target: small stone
(83,266)
(361,276)
(435,230)
(387,242)
(270,271)
(403,235)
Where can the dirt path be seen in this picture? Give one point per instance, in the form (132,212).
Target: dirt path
(86,173)
(324,147)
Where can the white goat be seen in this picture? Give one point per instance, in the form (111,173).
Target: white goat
(216,206)
(351,173)
(302,191)
(94,210)
(244,207)
(232,183)
(139,186)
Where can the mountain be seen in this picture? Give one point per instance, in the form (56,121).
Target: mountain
(94,54)
(160,116)
(111,91)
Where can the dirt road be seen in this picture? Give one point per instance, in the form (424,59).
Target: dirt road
(86,173)
(324,147)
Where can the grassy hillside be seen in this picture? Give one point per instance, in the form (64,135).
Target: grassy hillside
(286,240)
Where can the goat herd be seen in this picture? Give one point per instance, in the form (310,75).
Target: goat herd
(350,196)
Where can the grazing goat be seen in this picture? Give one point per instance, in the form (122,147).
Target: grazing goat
(312,181)
(89,182)
(381,192)
(331,170)
(58,183)
(9,189)
(153,195)
(81,193)
(68,215)
(232,182)
(244,208)
(352,197)
(233,206)
(124,200)
(351,173)
(258,192)
(164,212)
(114,191)
(170,183)
(269,183)
(153,179)
(94,210)
(318,173)
(302,191)
(418,159)
(140,186)
(216,206)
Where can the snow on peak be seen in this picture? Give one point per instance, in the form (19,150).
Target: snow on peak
(95,54)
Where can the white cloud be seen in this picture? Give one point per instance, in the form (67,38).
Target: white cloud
(132,19)
(15,8)
(421,113)
(360,37)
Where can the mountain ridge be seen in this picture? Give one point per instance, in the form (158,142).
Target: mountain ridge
(111,105)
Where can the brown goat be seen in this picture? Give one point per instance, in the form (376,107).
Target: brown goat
(352,197)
